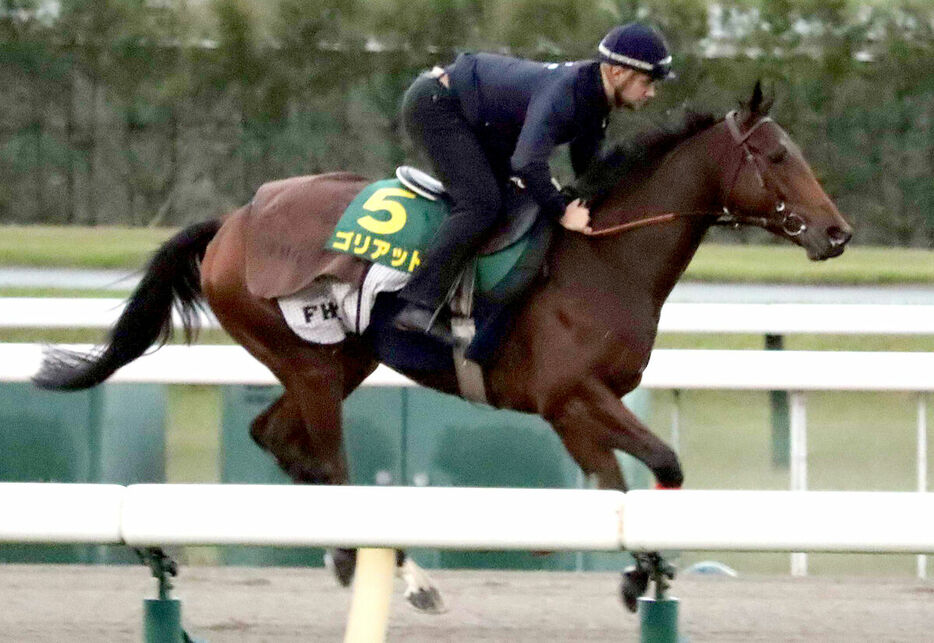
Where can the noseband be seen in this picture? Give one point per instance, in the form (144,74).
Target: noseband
(791,224)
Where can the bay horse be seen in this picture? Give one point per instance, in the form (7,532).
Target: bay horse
(582,336)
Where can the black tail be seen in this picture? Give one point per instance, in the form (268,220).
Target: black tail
(173,277)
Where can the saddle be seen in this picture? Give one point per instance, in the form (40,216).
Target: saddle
(391,222)
(521,210)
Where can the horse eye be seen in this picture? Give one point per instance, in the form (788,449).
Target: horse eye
(778,155)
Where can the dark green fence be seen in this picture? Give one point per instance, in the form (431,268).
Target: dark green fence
(110,434)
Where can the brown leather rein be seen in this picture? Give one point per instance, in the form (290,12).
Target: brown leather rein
(641,223)
(791,223)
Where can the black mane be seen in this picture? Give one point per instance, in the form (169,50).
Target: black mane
(638,154)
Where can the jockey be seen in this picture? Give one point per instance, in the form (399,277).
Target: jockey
(487,118)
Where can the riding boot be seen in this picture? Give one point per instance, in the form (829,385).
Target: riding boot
(433,284)
(420,319)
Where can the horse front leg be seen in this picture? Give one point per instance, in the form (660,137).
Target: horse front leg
(591,426)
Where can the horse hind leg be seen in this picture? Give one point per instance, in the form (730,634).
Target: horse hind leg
(302,429)
(281,430)
(420,591)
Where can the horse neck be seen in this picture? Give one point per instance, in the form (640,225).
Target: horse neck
(648,261)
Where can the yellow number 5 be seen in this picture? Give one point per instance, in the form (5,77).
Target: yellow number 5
(379,202)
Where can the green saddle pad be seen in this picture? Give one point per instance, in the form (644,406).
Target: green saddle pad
(391,225)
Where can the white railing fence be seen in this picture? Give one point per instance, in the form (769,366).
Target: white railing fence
(467,518)
(794,371)
(797,371)
(761,319)
(379,518)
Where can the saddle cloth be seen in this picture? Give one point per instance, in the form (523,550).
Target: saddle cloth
(327,310)
(388,225)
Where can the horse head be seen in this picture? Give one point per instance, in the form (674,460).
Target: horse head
(767,182)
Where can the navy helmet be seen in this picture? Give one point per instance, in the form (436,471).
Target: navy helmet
(638,47)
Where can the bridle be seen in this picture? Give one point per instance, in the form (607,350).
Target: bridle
(790,223)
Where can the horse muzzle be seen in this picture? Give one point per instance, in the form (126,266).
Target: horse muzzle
(823,233)
(828,243)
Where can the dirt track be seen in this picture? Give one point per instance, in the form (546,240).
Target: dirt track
(74,603)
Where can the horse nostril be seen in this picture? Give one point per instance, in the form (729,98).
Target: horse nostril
(838,236)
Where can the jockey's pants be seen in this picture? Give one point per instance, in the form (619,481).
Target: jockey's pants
(433,119)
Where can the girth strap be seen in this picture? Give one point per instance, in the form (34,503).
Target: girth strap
(469,373)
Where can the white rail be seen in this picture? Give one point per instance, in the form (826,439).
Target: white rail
(69,312)
(776,319)
(446,518)
(786,521)
(461,518)
(60,513)
(786,319)
(668,369)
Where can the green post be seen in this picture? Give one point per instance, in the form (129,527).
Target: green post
(163,620)
(162,617)
(95,453)
(658,618)
(781,430)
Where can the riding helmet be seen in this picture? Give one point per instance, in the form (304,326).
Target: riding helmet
(638,47)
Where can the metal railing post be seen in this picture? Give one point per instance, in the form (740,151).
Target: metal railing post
(922,437)
(779,412)
(799,466)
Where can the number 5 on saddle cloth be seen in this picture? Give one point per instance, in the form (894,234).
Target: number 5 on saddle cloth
(391,222)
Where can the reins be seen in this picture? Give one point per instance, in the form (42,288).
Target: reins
(641,223)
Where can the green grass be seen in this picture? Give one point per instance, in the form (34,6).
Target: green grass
(787,264)
(62,292)
(797,342)
(193,434)
(130,249)
(79,247)
(92,336)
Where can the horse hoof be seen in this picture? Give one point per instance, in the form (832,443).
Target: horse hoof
(426,599)
(342,563)
(635,582)
(420,590)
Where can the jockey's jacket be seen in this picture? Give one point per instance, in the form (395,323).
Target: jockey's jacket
(522,109)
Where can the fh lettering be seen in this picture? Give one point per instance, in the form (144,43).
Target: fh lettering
(327,311)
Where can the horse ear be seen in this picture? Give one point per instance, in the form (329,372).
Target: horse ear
(768,101)
(758,105)
(755,103)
